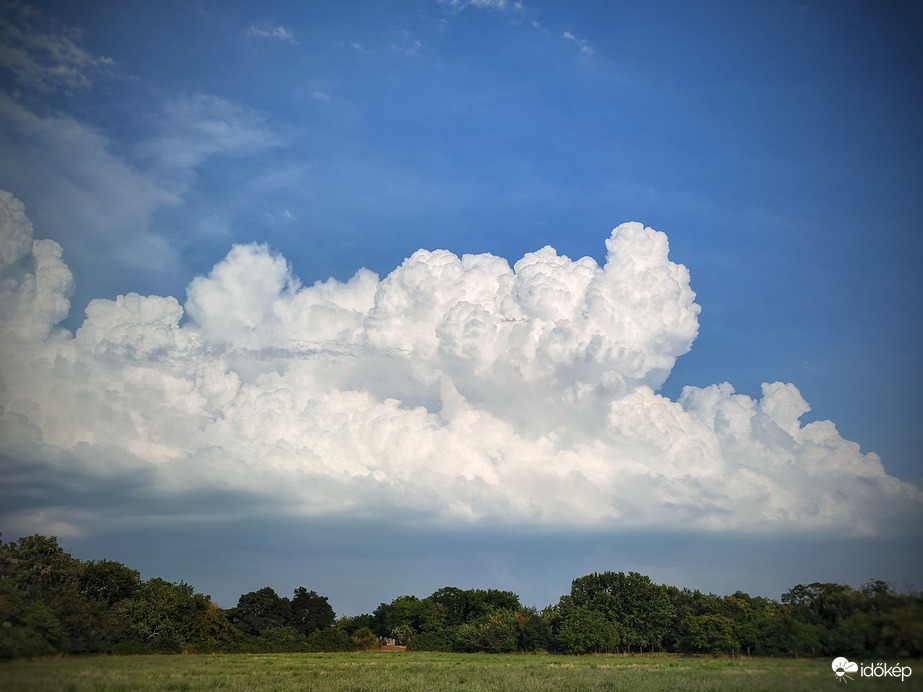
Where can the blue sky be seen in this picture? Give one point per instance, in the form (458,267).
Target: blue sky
(776,145)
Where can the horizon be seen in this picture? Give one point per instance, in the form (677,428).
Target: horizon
(287,590)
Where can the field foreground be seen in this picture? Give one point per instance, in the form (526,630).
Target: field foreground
(425,672)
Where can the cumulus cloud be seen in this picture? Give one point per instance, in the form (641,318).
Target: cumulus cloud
(453,389)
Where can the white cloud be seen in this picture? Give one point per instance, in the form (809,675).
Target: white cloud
(101,206)
(405,42)
(500,5)
(97,203)
(583,44)
(455,388)
(279,33)
(90,195)
(194,127)
(42,54)
(36,283)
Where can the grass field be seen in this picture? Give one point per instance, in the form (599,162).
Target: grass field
(426,672)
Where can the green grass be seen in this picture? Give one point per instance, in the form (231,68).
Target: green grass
(426,672)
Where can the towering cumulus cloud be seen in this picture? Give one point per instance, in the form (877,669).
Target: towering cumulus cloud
(452,389)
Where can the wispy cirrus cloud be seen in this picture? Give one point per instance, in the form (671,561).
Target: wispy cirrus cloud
(404,41)
(504,6)
(500,5)
(582,44)
(267,31)
(41,53)
(95,202)
(100,193)
(194,127)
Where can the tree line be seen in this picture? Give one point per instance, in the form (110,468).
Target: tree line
(53,603)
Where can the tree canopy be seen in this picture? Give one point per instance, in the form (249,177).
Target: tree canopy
(54,603)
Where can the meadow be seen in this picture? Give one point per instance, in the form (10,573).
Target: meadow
(425,672)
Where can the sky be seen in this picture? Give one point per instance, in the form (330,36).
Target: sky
(380,297)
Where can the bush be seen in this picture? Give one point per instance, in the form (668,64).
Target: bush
(365,639)
(331,639)
(432,641)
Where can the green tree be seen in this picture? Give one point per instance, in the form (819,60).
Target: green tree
(211,632)
(331,639)
(902,628)
(709,634)
(453,604)
(403,610)
(499,632)
(459,606)
(402,634)
(286,639)
(28,627)
(354,623)
(42,571)
(534,631)
(365,639)
(585,630)
(642,609)
(826,607)
(107,581)
(259,610)
(443,639)
(167,616)
(784,635)
(310,612)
